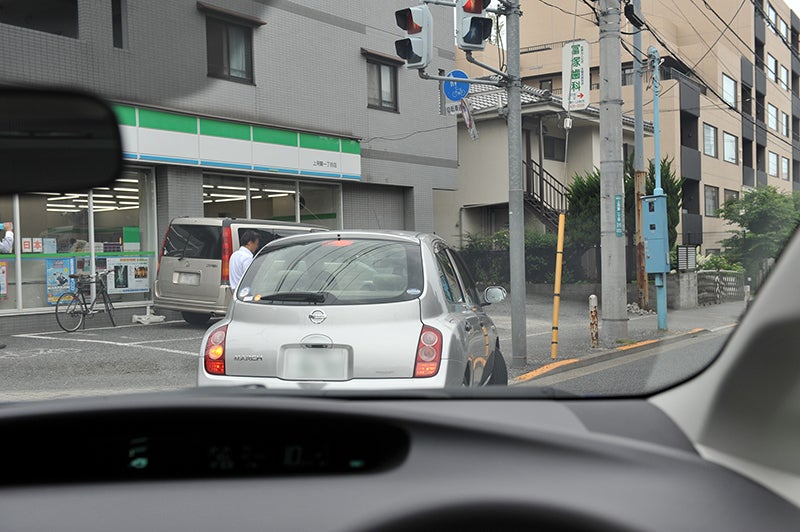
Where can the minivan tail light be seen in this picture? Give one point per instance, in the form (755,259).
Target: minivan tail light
(429,352)
(227,251)
(161,251)
(214,353)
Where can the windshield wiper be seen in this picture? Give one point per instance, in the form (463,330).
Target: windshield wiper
(302,297)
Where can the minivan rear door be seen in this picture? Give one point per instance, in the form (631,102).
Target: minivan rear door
(191,262)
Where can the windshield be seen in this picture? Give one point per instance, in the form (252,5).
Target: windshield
(437,235)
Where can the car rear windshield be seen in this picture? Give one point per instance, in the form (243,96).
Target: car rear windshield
(193,241)
(335,272)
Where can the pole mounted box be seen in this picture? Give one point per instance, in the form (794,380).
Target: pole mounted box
(656,234)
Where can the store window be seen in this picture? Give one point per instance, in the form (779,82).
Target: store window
(272,199)
(320,205)
(224,196)
(55,241)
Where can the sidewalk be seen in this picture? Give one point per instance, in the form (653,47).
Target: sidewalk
(574,340)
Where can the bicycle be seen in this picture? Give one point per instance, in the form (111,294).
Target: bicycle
(72,307)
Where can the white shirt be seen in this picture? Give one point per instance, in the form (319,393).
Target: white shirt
(7,243)
(238,265)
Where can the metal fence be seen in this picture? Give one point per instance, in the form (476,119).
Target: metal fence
(717,286)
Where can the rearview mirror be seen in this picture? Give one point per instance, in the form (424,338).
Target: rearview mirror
(56,141)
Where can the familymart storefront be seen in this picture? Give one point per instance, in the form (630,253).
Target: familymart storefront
(176,165)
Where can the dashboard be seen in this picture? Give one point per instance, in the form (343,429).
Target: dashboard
(228,459)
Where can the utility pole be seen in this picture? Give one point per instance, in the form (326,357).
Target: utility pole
(661,276)
(516,209)
(640,175)
(612,197)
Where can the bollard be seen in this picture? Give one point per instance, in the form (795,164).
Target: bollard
(593,320)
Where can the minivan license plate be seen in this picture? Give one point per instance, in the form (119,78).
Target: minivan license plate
(328,364)
(189,278)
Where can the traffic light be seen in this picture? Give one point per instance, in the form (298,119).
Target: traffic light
(472,26)
(417,48)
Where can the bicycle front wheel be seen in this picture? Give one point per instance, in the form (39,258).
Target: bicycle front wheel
(109,308)
(69,311)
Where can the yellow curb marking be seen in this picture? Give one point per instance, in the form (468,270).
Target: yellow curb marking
(544,369)
(550,367)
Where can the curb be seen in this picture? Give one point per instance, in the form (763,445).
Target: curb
(572,363)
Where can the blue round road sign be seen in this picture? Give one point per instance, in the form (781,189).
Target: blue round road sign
(456,90)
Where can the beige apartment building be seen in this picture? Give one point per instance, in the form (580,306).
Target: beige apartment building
(730,94)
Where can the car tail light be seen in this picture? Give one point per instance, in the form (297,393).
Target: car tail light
(215,351)
(429,352)
(227,251)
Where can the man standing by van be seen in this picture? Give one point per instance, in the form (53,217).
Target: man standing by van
(242,258)
(7,246)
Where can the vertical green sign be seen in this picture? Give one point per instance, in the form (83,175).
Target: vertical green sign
(619,220)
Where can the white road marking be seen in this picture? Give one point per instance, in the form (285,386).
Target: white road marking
(107,342)
(88,331)
(194,338)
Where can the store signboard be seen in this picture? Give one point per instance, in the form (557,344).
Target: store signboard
(58,281)
(130,274)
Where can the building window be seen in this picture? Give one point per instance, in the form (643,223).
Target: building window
(381,85)
(627,76)
(772,68)
(784,78)
(783,28)
(712,201)
(772,116)
(709,140)
(772,16)
(119,23)
(729,90)
(731,195)
(730,148)
(229,43)
(59,17)
(773,164)
(554,148)
(785,168)
(784,124)
(546,85)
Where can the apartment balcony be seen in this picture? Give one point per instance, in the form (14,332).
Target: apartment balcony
(690,164)
(748,127)
(748,176)
(761,178)
(690,99)
(795,105)
(761,81)
(692,229)
(760,28)
(761,133)
(747,72)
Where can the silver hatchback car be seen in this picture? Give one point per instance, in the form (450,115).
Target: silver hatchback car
(356,310)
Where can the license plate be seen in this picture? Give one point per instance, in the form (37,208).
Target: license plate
(326,364)
(189,278)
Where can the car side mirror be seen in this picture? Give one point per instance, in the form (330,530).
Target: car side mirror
(56,141)
(494,294)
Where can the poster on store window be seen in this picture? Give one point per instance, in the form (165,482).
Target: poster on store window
(58,281)
(3,280)
(129,274)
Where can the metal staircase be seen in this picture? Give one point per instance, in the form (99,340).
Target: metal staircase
(545,195)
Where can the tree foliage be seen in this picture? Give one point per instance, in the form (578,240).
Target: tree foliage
(583,220)
(765,219)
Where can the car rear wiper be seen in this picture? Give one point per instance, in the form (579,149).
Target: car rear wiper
(303,297)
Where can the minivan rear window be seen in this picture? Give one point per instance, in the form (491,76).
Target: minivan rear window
(335,272)
(193,242)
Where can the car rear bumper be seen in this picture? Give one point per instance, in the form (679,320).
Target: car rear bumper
(449,375)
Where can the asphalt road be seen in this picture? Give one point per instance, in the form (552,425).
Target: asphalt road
(164,356)
(641,372)
(99,361)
